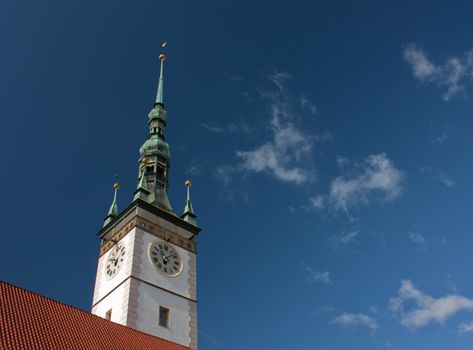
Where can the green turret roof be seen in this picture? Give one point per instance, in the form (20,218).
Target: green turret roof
(189,214)
(142,189)
(113,211)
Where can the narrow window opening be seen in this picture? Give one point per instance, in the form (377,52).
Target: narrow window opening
(160,171)
(108,315)
(164,317)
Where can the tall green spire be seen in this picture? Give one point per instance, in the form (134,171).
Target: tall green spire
(113,211)
(189,214)
(155,154)
(159,95)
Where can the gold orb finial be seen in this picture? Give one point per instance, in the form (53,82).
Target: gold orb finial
(188,183)
(162,57)
(116,185)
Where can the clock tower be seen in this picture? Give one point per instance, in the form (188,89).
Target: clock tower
(146,274)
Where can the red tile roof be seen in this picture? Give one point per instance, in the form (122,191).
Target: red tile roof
(30,321)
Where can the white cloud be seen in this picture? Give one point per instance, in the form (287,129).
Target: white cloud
(212,127)
(317,202)
(438,175)
(342,162)
(453,74)
(465,328)
(418,238)
(306,103)
(315,276)
(285,154)
(445,179)
(422,68)
(343,240)
(376,179)
(348,238)
(279,79)
(349,320)
(417,309)
(224,173)
(440,138)
(230,193)
(242,127)
(324,309)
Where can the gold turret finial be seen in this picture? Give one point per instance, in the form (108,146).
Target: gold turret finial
(116,185)
(188,183)
(162,57)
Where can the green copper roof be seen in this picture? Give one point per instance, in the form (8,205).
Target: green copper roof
(159,95)
(113,211)
(155,154)
(142,189)
(188,207)
(189,214)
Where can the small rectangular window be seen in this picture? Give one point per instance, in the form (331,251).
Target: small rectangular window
(108,315)
(164,317)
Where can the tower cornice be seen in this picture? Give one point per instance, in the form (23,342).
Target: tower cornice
(174,219)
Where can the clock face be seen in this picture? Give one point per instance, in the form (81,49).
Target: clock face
(115,260)
(165,258)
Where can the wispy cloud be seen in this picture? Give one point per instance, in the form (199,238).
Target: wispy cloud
(376,179)
(440,134)
(418,239)
(314,276)
(438,175)
(440,138)
(279,79)
(452,75)
(350,320)
(317,203)
(212,127)
(417,309)
(232,77)
(229,192)
(343,240)
(242,127)
(305,102)
(324,309)
(342,162)
(465,328)
(193,170)
(285,154)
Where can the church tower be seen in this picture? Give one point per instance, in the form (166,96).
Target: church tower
(146,274)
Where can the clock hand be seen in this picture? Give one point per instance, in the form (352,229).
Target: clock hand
(170,255)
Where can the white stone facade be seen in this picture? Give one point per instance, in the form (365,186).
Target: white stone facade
(137,291)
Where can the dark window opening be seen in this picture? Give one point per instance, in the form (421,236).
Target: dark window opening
(164,317)
(160,171)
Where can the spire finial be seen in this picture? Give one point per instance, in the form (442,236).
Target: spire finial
(189,214)
(113,211)
(159,95)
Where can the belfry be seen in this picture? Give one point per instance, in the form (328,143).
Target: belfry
(146,274)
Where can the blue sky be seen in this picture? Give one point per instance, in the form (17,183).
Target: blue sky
(329,146)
